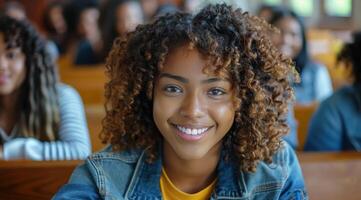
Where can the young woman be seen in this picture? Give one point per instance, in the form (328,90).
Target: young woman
(117,18)
(315,82)
(196,108)
(336,124)
(40,119)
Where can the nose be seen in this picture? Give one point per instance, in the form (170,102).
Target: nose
(192,106)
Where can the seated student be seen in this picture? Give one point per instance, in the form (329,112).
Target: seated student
(196,108)
(315,82)
(336,124)
(117,18)
(40,119)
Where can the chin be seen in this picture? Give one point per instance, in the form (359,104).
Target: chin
(191,155)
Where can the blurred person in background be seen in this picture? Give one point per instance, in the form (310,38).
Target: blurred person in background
(117,18)
(149,8)
(336,124)
(17,11)
(266,12)
(54,24)
(40,118)
(315,82)
(84,41)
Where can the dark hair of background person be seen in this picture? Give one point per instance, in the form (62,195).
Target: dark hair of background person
(107,22)
(52,32)
(350,54)
(39,116)
(303,57)
(265,11)
(72,11)
(231,41)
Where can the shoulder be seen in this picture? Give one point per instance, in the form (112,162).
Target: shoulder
(278,170)
(315,65)
(341,99)
(110,162)
(107,169)
(64,89)
(284,173)
(127,156)
(68,95)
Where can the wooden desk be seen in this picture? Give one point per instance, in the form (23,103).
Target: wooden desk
(328,176)
(33,180)
(332,176)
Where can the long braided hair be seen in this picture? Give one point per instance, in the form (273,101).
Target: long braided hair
(39,114)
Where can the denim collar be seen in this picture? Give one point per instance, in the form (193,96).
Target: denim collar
(144,184)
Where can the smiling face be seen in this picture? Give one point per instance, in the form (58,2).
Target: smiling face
(193,110)
(12,68)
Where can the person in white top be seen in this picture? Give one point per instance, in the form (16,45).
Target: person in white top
(40,119)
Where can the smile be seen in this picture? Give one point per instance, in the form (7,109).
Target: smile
(191,131)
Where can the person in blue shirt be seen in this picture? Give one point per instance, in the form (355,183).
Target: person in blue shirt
(40,118)
(336,124)
(196,107)
(316,84)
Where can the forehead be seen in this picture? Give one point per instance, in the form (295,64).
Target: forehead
(189,61)
(289,23)
(10,41)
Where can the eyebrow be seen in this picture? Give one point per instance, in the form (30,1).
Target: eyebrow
(178,78)
(184,80)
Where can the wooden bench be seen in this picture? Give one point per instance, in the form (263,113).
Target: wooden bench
(87,80)
(95,115)
(303,115)
(332,176)
(33,179)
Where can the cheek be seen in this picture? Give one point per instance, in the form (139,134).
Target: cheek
(19,71)
(224,115)
(163,109)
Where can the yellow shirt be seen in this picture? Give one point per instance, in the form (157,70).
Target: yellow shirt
(170,192)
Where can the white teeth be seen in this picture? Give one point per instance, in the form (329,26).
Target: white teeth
(190,131)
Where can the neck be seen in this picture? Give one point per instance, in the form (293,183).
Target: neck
(9,112)
(191,176)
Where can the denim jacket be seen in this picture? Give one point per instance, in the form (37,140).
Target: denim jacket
(336,124)
(126,176)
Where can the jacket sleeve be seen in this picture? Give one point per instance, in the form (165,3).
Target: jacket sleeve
(294,187)
(80,186)
(76,191)
(73,142)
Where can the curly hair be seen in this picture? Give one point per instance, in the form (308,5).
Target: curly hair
(39,114)
(230,39)
(350,55)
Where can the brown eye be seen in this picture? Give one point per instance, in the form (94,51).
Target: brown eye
(216,92)
(10,55)
(172,90)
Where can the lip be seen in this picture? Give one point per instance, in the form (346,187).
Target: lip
(3,79)
(188,137)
